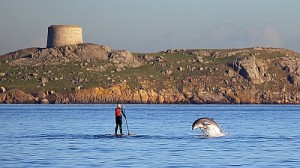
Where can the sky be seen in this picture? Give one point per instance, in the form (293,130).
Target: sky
(154,25)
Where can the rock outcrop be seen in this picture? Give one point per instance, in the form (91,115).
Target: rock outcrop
(16,97)
(89,73)
(123,59)
(72,53)
(250,68)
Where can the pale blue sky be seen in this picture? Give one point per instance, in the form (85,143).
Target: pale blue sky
(154,25)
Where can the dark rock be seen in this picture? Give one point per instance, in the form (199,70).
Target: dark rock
(295,80)
(286,68)
(291,79)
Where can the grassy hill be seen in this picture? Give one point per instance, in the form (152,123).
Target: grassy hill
(188,71)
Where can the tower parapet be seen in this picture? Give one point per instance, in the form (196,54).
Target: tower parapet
(62,35)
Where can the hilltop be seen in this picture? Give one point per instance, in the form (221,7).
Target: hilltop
(91,73)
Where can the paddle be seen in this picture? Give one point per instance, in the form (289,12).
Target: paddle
(127,126)
(126,120)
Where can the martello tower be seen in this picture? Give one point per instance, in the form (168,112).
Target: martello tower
(61,35)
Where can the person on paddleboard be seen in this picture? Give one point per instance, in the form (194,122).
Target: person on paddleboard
(119,111)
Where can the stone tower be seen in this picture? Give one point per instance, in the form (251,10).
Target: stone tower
(61,35)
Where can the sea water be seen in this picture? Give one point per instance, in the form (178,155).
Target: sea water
(81,136)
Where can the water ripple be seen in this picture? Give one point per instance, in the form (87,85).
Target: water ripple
(107,136)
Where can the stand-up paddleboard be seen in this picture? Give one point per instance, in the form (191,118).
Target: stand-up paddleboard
(114,135)
(120,135)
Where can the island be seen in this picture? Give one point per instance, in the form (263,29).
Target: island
(71,71)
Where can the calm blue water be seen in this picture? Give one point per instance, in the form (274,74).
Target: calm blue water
(79,136)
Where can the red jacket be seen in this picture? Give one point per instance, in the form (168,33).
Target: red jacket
(118,112)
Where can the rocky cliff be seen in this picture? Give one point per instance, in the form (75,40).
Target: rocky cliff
(90,73)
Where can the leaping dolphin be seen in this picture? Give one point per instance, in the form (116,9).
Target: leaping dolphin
(208,126)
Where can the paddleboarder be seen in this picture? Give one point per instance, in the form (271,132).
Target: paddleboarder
(119,111)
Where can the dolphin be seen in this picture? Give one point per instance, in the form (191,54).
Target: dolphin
(208,126)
